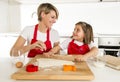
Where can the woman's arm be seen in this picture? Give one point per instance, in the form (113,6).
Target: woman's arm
(56,44)
(20,45)
(53,51)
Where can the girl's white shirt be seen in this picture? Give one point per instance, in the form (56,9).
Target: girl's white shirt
(65,43)
(28,32)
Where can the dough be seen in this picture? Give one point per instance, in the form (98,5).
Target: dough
(47,62)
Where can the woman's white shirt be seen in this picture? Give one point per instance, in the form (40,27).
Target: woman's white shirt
(28,32)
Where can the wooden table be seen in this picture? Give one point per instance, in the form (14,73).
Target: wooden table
(83,72)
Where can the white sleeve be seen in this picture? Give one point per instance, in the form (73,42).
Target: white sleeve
(24,33)
(27,33)
(54,36)
(65,43)
(91,45)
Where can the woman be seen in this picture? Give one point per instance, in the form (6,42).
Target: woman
(40,37)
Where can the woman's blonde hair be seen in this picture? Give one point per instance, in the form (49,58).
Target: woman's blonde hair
(46,8)
(88,32)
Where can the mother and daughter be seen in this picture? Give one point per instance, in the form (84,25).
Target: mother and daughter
(43,39)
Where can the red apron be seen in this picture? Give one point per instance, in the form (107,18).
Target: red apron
(75,49)
(34,52)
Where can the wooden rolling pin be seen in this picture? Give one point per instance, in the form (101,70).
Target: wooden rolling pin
(57,56)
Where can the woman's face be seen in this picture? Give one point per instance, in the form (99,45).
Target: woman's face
(78,33)
(49,19)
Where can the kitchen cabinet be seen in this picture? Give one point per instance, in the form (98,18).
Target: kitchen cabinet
(110,43)
(4,16)
(9,16)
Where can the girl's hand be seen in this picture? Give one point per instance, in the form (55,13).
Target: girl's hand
(81,58)
(48,54)
(39,45)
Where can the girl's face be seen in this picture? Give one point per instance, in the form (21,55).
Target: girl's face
(49,19)
(78,33)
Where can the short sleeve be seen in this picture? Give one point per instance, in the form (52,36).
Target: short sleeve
(91,45)
(24,33)
(27,33)
(65,43)
(54,36)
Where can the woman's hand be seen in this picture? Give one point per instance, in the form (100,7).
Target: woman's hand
(39,45)
(48,54)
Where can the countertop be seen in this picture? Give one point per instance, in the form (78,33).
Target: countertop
(104,74)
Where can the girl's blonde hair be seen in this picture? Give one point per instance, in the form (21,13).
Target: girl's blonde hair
(46,8)
(88,32)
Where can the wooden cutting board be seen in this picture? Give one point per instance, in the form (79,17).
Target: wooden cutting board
(112,61)
(83,72)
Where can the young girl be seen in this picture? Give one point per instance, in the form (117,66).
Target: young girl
(40,37)
(80,44)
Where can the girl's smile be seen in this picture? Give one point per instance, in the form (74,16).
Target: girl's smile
(78,33)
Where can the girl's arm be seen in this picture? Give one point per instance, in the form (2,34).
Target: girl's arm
(92,53)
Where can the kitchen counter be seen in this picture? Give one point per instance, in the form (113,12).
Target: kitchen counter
(13,34)
(96,35)
(105,74)
(108,35)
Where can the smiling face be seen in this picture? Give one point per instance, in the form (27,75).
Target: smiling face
(78,33)
(47,14)
(49,19)
(83,32)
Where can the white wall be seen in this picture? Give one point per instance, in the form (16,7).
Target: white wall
(4,16)
(27,15)
(103,16)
